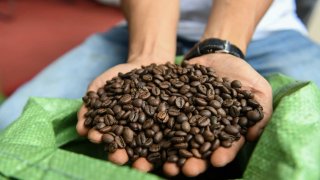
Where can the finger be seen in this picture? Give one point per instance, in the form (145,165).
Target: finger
(171,169)
(194,167)
(142,165)
(222,156)
(94,136)
(255,131)
(81,128)
(119,157)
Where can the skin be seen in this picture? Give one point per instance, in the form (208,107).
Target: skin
(153,40)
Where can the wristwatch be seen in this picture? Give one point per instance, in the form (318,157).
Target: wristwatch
(214,45)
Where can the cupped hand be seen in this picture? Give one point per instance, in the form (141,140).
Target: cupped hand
(233,68)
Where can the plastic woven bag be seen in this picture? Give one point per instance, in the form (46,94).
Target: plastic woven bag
(43,144)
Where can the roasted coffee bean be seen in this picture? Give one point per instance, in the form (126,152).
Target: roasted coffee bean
(226,143)
(125,99)
(205,112)
(137,102)
(147,124)
(118,130)
(201,102)
(207,154)
(195,83)
(180,133)
(128,135)
(231,130)
(149,133)
(148,142)
(155,91)
(185,126)
(173,111)
(205,147)
(129,151)
(120,142)
(107,138)
(234,111)
(243,121)
(185,153)
(253,103)
(149,110)
(173,158)
(182,117)
(196,153)
(162,117)
(254,115)
(236,84)
(181,145)
(179,101)
(181,161)
(112,147)
(177,139)
(203,122)
(184,89)
(158,137)
(154,148)
(154,157)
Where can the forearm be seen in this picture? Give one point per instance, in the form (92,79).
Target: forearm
(152,29)
(235,20)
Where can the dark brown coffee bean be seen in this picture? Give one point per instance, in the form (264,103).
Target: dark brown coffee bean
(199,138)
(203,122)
(154,157)
(177,139)
(149,110)
(205,147)
(148,142)
(195,83)
(185,153)
(201,102)
(202,89)
(185,126)
(221,112)
(226,143)
(162,116)
(181,161)
(181,145)
(172,158)
(155,91)
(231,130)
(243,121)
(208,135)
(207,154)
(133,117)
(196,153)
(144,94)
(184,89)
(205,112)
(173,111)
(164,96)
(154,148)
(194,144)
(112,147)
(120,142)
(107,138)
(216,104)
(118,130)
(129,151)
(164,85)
(179,102)
(142,117)
(234,111)
(105,129)
(125,99)
(147,124)
(128,135)
(194,130)
(236,84)
(116,109)
(163,107)
(227,103)
(253,103)
(254,115)
(153,101)
(149,133)
(158,137)
(180,133)
(137,102)
(181,118)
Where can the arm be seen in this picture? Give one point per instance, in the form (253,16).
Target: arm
(152,29)
(235,21)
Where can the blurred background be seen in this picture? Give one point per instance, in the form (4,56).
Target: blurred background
(34,33)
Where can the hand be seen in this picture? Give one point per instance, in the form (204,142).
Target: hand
(234,68)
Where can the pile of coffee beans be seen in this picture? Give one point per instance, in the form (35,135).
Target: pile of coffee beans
(168,113)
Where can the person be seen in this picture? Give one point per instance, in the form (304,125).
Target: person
(269,34)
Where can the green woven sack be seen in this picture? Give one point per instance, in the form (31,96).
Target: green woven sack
(43,144)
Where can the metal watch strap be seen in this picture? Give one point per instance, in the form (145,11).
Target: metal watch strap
(214,45)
